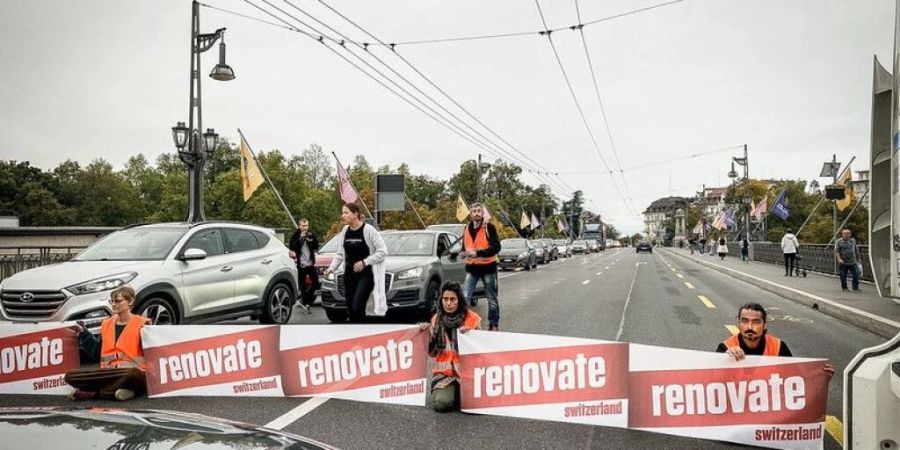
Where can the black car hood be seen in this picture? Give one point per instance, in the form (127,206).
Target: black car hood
(113,428)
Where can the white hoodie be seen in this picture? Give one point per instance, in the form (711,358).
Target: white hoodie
(377,253)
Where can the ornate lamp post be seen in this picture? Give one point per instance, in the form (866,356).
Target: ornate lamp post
(193,147)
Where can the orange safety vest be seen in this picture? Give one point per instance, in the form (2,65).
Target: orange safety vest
(773,344)
(447,362)
(126,351)
(479,243)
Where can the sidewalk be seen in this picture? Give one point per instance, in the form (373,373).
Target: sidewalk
(864,309)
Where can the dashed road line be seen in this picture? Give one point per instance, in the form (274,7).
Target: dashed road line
(706,301)
(599,273)
(296,413)
(585,281)
(673,269)
(679,275)
(689,285)
(732,329)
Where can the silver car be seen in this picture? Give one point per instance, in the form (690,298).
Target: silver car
(418,262)
(201,272)
(563,247)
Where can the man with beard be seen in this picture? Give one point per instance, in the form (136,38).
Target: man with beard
(754,338)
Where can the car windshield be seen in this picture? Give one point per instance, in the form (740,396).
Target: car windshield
(560,242)
(456,229)
(409,244)
(133,244)
(580,242)
(513,243)
(329,247)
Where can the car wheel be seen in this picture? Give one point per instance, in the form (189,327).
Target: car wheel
(159,310)
(336,315)
(432,296)
(278,305)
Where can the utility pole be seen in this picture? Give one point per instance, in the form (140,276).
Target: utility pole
(834,177)
(478,179)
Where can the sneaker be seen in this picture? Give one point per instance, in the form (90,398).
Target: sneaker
(845,289)
(493,327)
(79,395)
(124,394)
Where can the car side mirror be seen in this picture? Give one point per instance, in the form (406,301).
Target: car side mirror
(193,254)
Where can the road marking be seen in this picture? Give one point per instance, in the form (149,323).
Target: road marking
(585,281)
(637,267)
(606,268)
(689,285)
(679,275)
(599,273)
(296,413)
(537,290)
(732,329)
(835,428)
(706,301)
(673,269)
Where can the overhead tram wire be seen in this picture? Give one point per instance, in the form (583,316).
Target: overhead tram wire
(612,142)
(657,163)
(578,106)
(407,81)
(441,90)
(324,39)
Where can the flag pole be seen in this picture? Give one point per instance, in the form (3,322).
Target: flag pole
(848,216)
(413,206)
(769,207)
(268,180)
(359,198)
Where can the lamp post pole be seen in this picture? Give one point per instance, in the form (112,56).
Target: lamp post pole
(195,148)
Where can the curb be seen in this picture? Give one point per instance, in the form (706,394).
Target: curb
(864,320)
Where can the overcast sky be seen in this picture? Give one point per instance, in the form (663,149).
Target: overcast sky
(791,79)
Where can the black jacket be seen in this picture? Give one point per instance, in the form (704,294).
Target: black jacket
(311,241)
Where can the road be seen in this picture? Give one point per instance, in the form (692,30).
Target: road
(614,295)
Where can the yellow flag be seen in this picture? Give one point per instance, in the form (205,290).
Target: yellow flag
(462,210)
(848,190)
(250,175)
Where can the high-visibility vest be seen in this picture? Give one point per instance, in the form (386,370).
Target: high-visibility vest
(447,362)
(480,242)
(125,351)
(773,344)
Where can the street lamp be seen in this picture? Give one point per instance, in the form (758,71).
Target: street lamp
(194,148)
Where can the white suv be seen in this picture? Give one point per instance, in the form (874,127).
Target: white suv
(201,272)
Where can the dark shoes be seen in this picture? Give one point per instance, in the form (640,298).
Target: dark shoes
(493,327)
(82,395)
(473,301)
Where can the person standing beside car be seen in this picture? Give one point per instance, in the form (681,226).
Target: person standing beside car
(847,253)
(304,244)
(122,368)
(480,247)
(789,247)
(362,251)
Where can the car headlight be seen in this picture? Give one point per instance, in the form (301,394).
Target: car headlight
(409,274)
(523,255)
(330,276)
(102,284)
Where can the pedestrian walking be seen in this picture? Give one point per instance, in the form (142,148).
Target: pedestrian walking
(122,368)
(722,248)
(754,338)
(702,245)
(480,247)
(304,244)
(847,253)
(789,247)
(691,244)
(745,250)
(452,317)
(360,254)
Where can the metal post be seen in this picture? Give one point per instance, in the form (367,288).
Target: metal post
(194,158)
(478,179)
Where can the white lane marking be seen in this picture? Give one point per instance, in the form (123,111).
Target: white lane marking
(627,300)
(606,268)
(585,281)
(599,273)
(679,275)
(296,413)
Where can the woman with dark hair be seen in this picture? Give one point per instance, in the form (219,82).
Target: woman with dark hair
(453,315)
(722,249)
(361,251)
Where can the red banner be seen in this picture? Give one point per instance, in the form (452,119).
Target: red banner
(35,358)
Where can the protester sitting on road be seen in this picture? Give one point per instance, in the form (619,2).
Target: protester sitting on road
(362,251)
(789,247)
(722,249)
(753,337)
(119,351)
(453,315)
(847,253)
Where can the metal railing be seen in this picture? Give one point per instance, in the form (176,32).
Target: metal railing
(17,259)
(815,257)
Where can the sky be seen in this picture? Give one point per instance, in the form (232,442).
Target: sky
(791,79)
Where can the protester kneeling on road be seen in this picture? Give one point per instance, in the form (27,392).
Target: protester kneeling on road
(453,315)
(119,351)
(753,337)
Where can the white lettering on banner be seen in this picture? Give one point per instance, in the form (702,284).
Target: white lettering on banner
(212,361)
(755,396)
(33,355)
(356,363)
(548,376)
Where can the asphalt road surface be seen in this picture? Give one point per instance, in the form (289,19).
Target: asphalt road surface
(613,295)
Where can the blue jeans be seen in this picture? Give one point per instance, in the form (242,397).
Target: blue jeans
(854,271)
(489,280)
